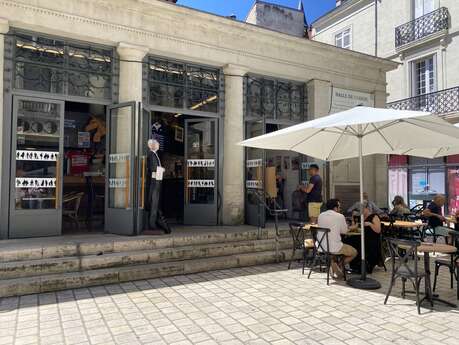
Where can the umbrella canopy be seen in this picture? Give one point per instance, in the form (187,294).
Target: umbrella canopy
(383,131)
(363,131)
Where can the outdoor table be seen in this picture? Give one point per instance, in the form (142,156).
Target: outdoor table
(428,248)
(402,225)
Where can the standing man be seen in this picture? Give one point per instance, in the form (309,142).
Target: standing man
(154,179)
(314,191)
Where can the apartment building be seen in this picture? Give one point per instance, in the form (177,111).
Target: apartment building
(421,35)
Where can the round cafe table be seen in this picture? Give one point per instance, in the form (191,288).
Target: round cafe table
(428,248)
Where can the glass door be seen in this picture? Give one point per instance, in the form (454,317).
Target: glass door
(36,169)
(144,133)
(254,178)
(201,172)
(120,203)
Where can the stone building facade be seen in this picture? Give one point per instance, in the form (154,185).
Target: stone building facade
(143,65)
(421,35)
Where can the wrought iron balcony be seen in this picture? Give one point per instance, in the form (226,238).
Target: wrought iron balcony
(440,102)
(421,27)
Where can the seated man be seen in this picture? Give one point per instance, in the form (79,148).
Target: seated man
(355,208)
(335,221)
(434,213)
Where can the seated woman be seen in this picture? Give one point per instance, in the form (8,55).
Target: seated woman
(373,255)
(400,209)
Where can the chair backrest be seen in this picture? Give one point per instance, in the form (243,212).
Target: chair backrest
(297,233)
(78,198)
(403,254)
(320,238)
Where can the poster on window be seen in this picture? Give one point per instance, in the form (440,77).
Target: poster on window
(398,183)
(84,140)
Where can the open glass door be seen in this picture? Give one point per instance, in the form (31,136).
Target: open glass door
(254,178)
(201,172)
(36,169)
(120,215)
(144,133)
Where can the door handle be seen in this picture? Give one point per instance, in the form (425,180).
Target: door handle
(142,193)
(57,189)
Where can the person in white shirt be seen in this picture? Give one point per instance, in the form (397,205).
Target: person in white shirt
(332,219)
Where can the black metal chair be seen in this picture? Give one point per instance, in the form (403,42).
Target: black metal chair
(450,262)
(404,264)
(299,239)
(321,254)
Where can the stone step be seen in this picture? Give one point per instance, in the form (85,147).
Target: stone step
(67,264)
(59,247)
(72,280)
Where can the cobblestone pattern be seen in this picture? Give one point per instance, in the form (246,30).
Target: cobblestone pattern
(257,305)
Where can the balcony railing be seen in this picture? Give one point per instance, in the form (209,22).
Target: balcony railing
(440,102)
(421,27)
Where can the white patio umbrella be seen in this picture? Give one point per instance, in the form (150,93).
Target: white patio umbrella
(359,132)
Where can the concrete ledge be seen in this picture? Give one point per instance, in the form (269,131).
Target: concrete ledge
(58,247)
(54,282)
(28,268)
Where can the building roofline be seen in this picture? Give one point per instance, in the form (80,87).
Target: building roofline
(387,62)
(270,3)
(336,10)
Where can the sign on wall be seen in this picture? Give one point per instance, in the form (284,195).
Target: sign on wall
(343,99)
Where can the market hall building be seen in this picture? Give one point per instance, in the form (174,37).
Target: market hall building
(87,82)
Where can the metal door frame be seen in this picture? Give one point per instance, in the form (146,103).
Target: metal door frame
(117,216)
(206,213)
(39,214)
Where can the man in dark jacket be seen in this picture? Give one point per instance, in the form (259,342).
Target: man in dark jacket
(154,181)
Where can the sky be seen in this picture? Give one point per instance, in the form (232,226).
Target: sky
(313,8)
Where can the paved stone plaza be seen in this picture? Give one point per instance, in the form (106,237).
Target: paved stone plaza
(256,305)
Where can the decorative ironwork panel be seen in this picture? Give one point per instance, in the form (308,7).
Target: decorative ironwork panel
(91,60)
(253,97)
(440,102)
(179,85)
(422,27)
(56,66)
(275,99)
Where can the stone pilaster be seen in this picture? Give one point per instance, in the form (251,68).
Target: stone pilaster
(130,89)
(319,96)
(4,28)
(130,83)
(233,154)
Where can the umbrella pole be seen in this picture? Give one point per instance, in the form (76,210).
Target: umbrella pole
(363,282)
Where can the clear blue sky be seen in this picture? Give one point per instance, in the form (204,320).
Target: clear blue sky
(313,8)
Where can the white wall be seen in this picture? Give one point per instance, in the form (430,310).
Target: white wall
(392,13)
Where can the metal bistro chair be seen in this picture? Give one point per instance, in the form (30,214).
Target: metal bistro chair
(404,262)
(321,254)
(300,242)
(450,263)
(71,205)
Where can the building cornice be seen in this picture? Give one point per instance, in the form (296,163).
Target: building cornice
(344,10)
(164,11)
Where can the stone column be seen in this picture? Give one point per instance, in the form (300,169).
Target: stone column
(233,154)
(4,28)
(130,89)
